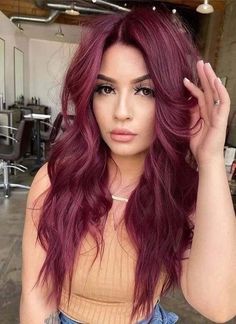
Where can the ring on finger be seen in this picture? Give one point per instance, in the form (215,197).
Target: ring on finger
(216,102)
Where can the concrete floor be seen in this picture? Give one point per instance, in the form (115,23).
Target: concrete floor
(11,227)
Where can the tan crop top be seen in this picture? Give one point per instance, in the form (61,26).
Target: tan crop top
(103,294)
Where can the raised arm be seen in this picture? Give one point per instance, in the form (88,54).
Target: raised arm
(33,306)
(209,275)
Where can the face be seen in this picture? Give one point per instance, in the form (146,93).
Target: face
(124,100)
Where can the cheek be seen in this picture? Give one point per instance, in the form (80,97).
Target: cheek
(100,117)
(149,119)
(97,112)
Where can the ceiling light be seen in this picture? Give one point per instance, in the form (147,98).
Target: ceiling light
(72,11)
(205,8)
(20,27)
(59,33)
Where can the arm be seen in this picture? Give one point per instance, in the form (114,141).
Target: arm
(209,276)
(33,307)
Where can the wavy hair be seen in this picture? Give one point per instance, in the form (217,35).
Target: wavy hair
(157,213)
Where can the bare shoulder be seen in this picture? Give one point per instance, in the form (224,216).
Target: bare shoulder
(35,201)
(36,198)
(39,187)
(42,174)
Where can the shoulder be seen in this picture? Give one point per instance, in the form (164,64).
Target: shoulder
(41,177)
(35,201)
(39,187)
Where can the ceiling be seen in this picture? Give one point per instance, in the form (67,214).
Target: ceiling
(47,15)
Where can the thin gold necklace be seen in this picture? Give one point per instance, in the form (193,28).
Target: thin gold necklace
(119,198)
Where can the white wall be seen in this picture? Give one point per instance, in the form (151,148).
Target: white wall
(45,63)
(48,61)
(13,37)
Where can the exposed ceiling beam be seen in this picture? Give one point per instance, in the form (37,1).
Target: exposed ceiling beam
(29,7)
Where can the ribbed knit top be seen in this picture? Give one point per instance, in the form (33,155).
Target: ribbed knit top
(102,293)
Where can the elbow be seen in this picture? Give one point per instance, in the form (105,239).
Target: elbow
(219,316)
(35,310)
(22,310)
(226,312)
(214,311)
(224,309)
(222,317)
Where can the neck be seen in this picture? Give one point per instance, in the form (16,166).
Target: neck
(126,178)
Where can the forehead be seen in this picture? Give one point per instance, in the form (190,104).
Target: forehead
(123,62)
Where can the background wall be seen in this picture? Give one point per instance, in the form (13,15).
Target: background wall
(226,63)
(48,61)
(45,63)
(13,37)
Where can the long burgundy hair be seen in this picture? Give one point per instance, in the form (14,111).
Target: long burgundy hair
(157,213)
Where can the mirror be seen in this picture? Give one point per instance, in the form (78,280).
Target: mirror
(19,75)
(2,72)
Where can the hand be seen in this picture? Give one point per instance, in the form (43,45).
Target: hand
(208,143)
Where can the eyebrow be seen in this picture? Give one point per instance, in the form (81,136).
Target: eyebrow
(139,79)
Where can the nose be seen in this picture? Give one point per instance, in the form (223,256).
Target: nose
(122,109)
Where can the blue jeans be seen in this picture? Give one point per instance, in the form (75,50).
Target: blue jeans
(158,316)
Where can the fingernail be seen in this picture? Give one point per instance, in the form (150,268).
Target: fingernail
(219,80)
(201,62)
(209,65)
(186,79)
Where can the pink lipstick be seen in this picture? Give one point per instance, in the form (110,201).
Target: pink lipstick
(122,135)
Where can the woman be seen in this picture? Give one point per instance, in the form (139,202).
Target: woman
(138,176)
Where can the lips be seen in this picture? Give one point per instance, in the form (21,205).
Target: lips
(122,131)
(122,135)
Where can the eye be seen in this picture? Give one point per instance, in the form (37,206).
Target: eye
(146,91)
(103,89)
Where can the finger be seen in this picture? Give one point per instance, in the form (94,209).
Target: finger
(220,93)
(196,92)
(208,93)
(211,76)
(223,96)
(219,90)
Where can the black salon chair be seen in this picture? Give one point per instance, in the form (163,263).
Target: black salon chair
(53,129)
(11,154)
(49,136)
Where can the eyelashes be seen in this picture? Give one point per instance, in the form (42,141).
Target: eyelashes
(146,91)
(102,90)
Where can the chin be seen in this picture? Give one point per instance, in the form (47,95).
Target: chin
(126,151)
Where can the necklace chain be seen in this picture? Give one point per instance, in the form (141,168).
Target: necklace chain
(119,198)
